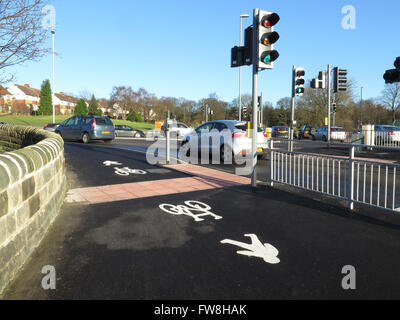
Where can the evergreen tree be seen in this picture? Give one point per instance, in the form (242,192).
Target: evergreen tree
(46,101)
(81,108)
(94,107)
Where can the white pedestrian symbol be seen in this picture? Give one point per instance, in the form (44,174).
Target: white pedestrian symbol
(256,249)
(111,163)
(127,171)
(188,209)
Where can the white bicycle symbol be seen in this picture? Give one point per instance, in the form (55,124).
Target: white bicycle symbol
(127,171)
(188,208)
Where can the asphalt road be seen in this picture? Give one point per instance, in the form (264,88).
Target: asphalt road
(132,249)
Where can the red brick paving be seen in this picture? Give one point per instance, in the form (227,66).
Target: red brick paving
(203,179)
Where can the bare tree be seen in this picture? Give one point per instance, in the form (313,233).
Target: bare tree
(21,33)
(391,98)
(125,99)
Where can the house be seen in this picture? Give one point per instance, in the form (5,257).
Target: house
(5,101)
(24,98)
(64,104)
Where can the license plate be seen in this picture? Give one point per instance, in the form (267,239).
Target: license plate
(259,150)
(105,132)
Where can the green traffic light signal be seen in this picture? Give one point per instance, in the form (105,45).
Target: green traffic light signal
(269,56)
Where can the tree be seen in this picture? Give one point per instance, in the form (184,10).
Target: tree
(93,109)
(21,33)
(124,99)
(45,101)
(81,108)
(391,98)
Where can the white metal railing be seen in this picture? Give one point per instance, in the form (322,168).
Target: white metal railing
(371,183)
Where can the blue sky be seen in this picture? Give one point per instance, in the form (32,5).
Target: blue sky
(181,48)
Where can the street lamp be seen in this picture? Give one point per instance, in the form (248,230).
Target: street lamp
(53,33)
(243,16)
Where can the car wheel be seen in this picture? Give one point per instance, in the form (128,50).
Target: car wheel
(116,135)
(137,135)
(324,139)
(59,133)
(85,138)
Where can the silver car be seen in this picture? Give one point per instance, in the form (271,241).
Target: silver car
(87,128)
(337,134)
(128,131)
(240,144)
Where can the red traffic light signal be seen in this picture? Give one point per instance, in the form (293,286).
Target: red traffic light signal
(270,20)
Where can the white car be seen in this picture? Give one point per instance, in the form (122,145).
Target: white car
(337,134)
(178,128)
(239,144)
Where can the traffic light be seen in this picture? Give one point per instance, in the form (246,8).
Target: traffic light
(339,80)
(320,82)
(243,56)
(259,104)
(266,38)
(393,75)
(299,81)
(244,109)
(334,108)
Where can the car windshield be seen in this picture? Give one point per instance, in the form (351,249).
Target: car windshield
(243,127)
(391,128)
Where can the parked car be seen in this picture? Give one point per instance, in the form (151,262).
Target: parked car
(337,134)
(51,127)
(87,128)
(386,134)
(240,143)
(3,122)
(178,129)
(306,132)
(128,131)
(280,131)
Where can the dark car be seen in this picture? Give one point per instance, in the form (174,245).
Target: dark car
(51,127)
(128,131)
(280,131)
(306,132)
(87,128)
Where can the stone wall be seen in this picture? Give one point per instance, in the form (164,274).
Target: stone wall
(32,190)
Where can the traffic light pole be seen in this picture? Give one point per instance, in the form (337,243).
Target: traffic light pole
(167,139)
(329,102)
(292,110)
(255,100)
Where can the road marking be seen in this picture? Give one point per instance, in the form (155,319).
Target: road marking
(256,249)
(187,209)
(127,171)
(111,163)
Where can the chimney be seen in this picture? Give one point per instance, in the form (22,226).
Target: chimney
(27,86)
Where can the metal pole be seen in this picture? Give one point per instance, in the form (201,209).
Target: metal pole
(255,98)
(329,102)
(240,77)
(53,32)
(292,111)
(168,143)
(351,178)
(261,120)
(361,104)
